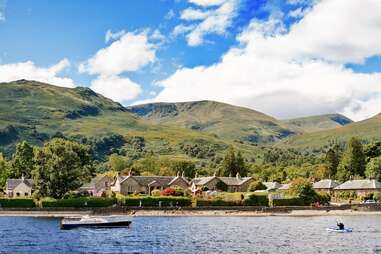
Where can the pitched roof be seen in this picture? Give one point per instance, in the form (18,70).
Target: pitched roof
(151,180)
(13,183)
(359,185)
(93,181)
(325,184)
(203,180)
(234,180)
(272,185)
(284,186)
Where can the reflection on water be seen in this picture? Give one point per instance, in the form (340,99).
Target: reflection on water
(195,235)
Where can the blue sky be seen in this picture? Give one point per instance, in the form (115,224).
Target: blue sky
(255,53)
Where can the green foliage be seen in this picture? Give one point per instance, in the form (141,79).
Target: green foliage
(218,202)
(16,202)
(373,169)
(323,198)
(61,166)
(234,163)
(118,162)
(345,195)
(302,188)
(78,202)
(332,161)
(188,167)
(352,162)
(257,185)
(256,200)
(22,161)
(153,201)
(4,171)
(288,202)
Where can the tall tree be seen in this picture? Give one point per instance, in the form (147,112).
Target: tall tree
(373,169)
(22,161)
(332,162)
(352,162)
(4,171)
(229,163)
(240,164)
(61,166)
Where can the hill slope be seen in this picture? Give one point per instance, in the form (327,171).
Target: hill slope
(36,112)
(224,120)
(369,129)
(318,123)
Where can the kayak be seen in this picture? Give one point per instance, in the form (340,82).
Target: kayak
(345,230)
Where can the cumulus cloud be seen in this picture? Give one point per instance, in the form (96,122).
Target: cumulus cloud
(295,72)
(113,36)
(116,88)
(28,70)
(130,53)
(210,17)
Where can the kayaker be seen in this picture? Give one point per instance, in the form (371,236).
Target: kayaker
(340,225)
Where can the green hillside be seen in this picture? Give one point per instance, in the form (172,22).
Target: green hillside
(36,112)
(318,123)
(224,120)
(369,129)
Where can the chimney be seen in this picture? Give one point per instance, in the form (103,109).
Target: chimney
(178,173)
(182,174)
(22,178)
(238,176)
(215,173)
(130,173)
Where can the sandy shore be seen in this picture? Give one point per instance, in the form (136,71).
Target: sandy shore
(201,213)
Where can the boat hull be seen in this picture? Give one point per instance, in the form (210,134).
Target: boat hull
(118,224)
(336,230)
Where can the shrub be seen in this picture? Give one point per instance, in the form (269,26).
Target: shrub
(178,191)
(17,202)
(323,198)
(302,188)
(257,185)
(168,192)
(377,196)
(256,200)
(78,202)
(288,202)
(218,202)
(155,193)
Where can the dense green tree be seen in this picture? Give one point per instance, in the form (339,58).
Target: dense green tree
(4,171)
(22,161)
(118,162)
(372,150)
(373,169)
(302,187)
(184,166)
(332,162)
(234,163)
(352,162)
(257,185)
(61,166)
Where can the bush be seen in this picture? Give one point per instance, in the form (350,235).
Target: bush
(152,201)
(17,202)
(302,188)
(168,192)
(288,202)
(257,185)
(218,202)
(346,195)
(155,193)
(78,202)
(256,200)
(323,198)
(179,192)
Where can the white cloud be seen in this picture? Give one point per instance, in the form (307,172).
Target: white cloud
(207,20)
(117,88)
(170,15)
(157,36)
(299,12)
(194,14)
(207,2)
(113,36)
(130,53)
(2,10)
(297,72)
(28,70)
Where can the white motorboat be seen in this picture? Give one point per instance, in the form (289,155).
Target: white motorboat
(96,222)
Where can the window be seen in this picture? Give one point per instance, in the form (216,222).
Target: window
(18,194)
(26,194)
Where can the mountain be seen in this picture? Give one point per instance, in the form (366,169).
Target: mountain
(36,112)
(369,129)
(318,123)
(223,120)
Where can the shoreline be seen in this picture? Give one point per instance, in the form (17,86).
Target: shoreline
(189,213)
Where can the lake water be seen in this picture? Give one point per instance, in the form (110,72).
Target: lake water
(195,235)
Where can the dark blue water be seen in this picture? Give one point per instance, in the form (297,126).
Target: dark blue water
(195,235)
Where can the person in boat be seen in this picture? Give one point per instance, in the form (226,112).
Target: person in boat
(340,225)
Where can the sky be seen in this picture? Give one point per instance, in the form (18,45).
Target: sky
(286,58)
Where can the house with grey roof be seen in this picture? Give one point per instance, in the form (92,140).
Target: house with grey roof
(325,185)
(19,187)
(272,186)
(234,184)
(146,184)
(361,187)
(97,186)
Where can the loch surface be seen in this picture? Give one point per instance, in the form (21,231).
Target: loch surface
(272,234)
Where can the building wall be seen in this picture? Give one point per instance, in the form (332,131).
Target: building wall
(211,184)
(245,186)
(131,186)
(22,190)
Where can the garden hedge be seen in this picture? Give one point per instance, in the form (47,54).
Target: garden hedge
(17,202)
(218,202)
(256,200)
(288,202)
(78,202)
(153,201)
